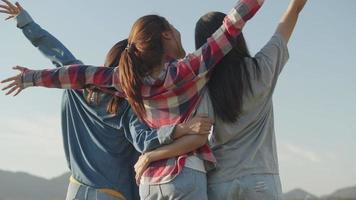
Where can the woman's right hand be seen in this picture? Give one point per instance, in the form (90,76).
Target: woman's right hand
(10,9)
(200,124)
(15,82)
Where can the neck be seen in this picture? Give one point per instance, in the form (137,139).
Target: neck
(158,69)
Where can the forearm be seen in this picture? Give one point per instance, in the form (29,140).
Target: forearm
(199,124)
(179,131)
(70,77)
(222,41)
(46,43)
(180,146)
(143,137)
(290,18)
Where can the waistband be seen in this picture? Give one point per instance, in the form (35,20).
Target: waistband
(111,192)
(194,162)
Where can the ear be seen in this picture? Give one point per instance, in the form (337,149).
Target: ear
(167,35)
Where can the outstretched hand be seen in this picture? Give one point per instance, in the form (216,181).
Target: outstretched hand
(8,8)
(15,82)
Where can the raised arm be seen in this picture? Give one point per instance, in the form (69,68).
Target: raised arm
(289,19)
(46,43)
(274,55)
(218,45)
(67,77)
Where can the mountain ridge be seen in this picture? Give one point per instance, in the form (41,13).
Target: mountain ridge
(22,185)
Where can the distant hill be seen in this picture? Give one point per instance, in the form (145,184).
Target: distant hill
(23,186)
(343,194)
(299,194)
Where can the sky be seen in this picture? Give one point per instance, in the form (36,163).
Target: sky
(314,102)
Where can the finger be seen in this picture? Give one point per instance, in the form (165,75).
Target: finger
(11,90)
(9,4)
(18,92)
(18,5)
(5,7)
(205,119)
(22,69)
(9,17)
(5,11)
(9,79)
(208,120)
(138,178)
(137,181)
(204,132)
(136,167)
(9,86)
(206,128)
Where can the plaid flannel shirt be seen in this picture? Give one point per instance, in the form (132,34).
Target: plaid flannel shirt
(171,99)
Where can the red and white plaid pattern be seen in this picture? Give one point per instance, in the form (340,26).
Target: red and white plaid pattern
(172,99)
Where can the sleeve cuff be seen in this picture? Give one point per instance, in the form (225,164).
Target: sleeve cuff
(165,133)
(23,18)
(27,78)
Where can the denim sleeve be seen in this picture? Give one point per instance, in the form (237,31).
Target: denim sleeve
(141,135)
(48,45)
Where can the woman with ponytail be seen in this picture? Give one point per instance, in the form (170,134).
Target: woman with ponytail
(163,87)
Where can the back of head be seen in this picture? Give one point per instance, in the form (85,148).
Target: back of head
(114,54)
(143,53)
(112,60)
(229,80)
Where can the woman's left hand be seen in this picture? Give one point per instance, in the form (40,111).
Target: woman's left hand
(10,9)
(15,82)
(141,165)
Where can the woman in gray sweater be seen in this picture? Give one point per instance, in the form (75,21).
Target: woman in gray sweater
(240,99)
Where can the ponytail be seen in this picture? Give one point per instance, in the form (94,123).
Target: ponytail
(130,76)
(143,53)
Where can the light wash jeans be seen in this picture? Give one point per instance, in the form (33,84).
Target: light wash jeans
(81,192)
(251,187)
(188,185)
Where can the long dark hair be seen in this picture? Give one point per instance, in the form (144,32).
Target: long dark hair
(143,53)
(112,60)
(230,79)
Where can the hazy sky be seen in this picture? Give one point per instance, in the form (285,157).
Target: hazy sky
(314,100)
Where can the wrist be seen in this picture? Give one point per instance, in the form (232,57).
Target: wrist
(148,157)
(27,78)
(180,130)
(23,18)
(297,6)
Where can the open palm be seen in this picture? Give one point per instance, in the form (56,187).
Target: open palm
(15,85)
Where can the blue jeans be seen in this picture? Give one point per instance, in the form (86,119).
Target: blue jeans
(82,192)
(251,187)
(188,185)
